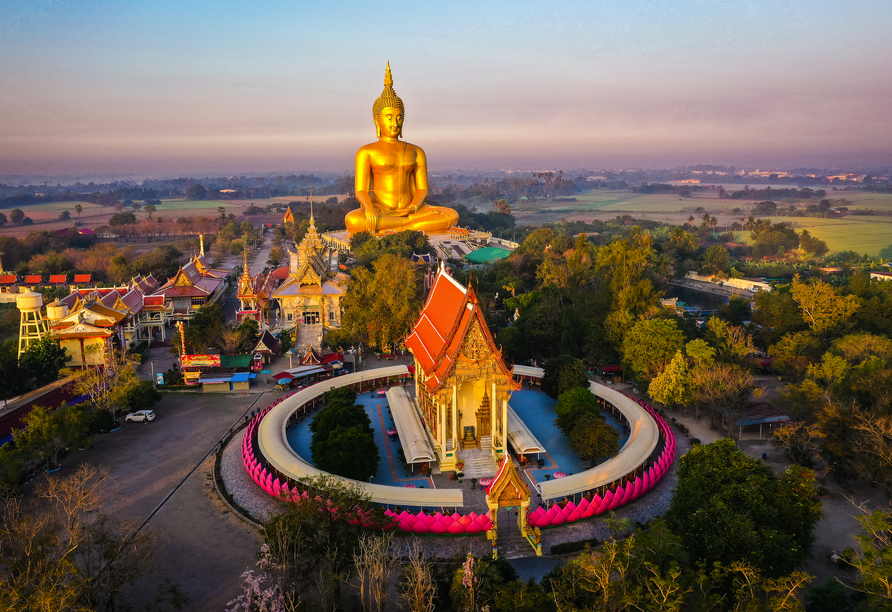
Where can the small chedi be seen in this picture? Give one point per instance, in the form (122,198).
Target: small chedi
(391,178)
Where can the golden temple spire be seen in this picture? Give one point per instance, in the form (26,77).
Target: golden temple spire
(312,219)
(388,78)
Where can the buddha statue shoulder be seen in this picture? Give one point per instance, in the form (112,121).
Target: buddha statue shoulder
(391,177)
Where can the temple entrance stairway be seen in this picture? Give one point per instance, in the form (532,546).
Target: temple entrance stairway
(512,545)
(308,336)
(478,463)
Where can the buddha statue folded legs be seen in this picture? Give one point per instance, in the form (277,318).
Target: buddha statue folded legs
(391,177)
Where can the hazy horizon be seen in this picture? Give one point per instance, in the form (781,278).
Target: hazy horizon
(161,89)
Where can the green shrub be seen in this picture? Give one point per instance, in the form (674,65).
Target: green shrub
(101,421)
(143,395)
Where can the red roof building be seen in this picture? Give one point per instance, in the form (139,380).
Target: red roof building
(195,285)
(8,283)
(83,280)
(462,384)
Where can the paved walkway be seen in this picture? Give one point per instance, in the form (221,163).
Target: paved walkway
(250,496)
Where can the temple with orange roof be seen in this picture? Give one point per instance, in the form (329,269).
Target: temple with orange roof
(462,384)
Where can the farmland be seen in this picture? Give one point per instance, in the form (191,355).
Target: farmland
(865,234)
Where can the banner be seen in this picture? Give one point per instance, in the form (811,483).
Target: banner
(201,361)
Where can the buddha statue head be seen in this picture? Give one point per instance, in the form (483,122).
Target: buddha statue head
(388,99)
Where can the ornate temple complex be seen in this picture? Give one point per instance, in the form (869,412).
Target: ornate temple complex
(462,385)
(309,297)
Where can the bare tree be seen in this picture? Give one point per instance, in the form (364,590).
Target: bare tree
(58,551)
(375,564)
(726,388)
(418,588)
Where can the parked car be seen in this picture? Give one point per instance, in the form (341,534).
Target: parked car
(140,415)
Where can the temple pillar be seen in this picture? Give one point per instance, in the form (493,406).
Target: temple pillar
(493,414)
(504,426)
(454,415)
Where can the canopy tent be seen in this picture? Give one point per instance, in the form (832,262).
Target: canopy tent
(520,436)
(416,445)
(487,254)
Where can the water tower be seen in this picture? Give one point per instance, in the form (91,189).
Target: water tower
(32,327)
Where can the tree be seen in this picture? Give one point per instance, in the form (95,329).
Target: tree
(822,308)
(417,588)
(42,361)
(196,192)
(726,389)
(562,374)
(119,270)
(716,260)
(593,437)
(16,215)
(47,432)
(875,561)
(314,541)
(572,405)
(64,215)
(342,431)
(728,508)
(276,255)
(674,386)
(650,345)
(375,563)
(810,244)
(121,219)
(60,551)
(11,379)
(149,209)
(78,209)
(381,306)
(3,220)
(800,442)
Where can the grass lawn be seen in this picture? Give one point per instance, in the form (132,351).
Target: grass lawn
(870,235)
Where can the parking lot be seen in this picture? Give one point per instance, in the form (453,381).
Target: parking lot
(162,473)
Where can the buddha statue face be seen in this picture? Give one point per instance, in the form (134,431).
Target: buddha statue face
(389,122)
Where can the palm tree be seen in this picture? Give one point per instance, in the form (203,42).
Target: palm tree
(713,222)
(691,220)
(78,209)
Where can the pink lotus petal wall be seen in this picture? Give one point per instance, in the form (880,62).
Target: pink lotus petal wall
(617,495)
(472,524)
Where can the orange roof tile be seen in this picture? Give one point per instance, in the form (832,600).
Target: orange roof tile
(83,278)
(440,331)
(31,279)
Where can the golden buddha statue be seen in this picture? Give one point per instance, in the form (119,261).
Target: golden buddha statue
(391,177)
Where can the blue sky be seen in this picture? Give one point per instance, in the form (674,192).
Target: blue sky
(158,88)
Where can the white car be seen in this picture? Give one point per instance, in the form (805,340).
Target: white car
(140,415)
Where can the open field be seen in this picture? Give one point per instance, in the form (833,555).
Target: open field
(46,215)
(871,235)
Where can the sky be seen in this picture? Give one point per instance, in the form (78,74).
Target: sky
(173,87)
